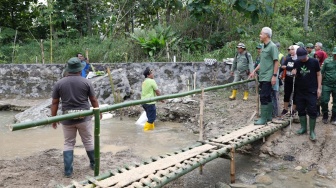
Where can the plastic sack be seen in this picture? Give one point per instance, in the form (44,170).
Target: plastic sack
(142,119)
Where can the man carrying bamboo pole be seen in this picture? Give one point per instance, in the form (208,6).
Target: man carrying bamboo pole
(149,90)
(268,75)
(74,91)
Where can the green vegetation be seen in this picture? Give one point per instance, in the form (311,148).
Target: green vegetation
(155,30)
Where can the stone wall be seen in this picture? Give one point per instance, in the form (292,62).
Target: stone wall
(35,81)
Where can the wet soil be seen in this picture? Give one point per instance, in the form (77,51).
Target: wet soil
(45,168)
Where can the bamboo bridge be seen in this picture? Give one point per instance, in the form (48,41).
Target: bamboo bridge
(158,171)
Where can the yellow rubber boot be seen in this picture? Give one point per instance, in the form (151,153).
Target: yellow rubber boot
(233,96)
(152,126)
(147,126)
(245,95)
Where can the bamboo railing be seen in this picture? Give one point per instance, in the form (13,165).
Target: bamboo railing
(96,112)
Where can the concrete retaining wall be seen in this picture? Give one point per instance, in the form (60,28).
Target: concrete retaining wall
(35,81)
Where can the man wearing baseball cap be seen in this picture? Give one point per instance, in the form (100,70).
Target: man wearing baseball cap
(241,67)
(328,71)
(308,89)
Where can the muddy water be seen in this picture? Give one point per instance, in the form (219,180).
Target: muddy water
(116,135)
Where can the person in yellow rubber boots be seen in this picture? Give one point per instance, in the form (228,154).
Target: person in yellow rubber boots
(149,90)
(242,66)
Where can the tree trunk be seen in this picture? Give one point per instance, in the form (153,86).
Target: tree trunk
(168,15)
(88,19)
(126,24)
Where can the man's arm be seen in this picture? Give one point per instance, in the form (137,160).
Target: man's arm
(319,84)
(95,104)
(275,71)
(94,101)
(53,109)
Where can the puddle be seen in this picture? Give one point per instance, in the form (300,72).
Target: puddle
(115,135)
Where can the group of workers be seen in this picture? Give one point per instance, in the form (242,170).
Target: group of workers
(308,76)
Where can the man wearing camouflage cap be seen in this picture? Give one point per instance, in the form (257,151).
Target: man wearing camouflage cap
(242,66)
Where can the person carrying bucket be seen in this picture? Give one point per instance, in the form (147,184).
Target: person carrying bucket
(149,90)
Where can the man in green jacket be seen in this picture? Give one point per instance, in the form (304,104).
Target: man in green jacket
(268,74)
(329,87)
(242,66)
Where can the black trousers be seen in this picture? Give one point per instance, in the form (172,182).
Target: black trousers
(306,103)
(288,89)
(265,92)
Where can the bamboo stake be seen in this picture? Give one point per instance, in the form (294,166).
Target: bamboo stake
(96,140)
(232,166)
(201,115)
(112,85)
(13,55)
(201,123)
(42,51)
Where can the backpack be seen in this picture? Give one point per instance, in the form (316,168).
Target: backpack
(246,55)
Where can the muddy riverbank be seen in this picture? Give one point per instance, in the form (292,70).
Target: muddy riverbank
(284,160)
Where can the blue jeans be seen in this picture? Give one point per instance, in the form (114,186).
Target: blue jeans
(150,112)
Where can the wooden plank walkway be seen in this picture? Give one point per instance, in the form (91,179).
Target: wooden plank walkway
(164,169)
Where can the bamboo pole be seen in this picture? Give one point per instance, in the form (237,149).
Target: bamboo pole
(112,85)
(96,112)
(26,125)
(201,137)
(232,167)
(201,116)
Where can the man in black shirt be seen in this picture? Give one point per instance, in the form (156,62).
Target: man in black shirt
(308,90)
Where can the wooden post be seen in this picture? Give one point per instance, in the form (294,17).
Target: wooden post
(42,51)
(201,116)
(232,166)
(201,123)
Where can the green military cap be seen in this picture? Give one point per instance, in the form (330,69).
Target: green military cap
(299,44)
(259,46)
(310,45)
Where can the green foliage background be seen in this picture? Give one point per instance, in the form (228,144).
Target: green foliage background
(117,31)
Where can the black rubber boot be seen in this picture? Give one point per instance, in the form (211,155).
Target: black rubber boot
(90,154)
(325,118)
(68,160)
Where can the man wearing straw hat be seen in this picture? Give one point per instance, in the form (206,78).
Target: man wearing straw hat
(242,66)
(74,92)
